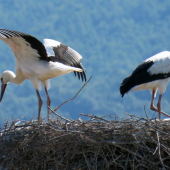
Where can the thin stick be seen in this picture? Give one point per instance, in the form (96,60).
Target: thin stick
(145,112)
(96,117)
(60,115)
(159,150)
(74,96)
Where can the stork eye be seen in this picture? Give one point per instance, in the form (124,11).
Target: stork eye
(1,80)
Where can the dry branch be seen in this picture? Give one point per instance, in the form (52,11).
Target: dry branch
(74,96)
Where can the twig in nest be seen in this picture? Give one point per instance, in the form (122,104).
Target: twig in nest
(145,112)
(74,96)
(95,117)
(60,115)
(159,150)
(134,117)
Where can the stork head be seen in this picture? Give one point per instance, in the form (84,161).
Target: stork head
(5,78)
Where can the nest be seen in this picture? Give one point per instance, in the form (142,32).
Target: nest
(98,143)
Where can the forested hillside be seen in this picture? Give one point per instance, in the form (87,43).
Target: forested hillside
(113,37)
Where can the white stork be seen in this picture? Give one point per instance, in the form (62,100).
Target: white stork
(153,74)
(33,63)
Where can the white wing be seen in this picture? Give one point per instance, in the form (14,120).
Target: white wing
(49,44)
(161,63)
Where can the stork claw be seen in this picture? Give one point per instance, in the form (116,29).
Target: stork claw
(155,109)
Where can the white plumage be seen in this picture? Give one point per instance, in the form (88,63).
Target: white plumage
(33,63)
(161,63)
(153,74)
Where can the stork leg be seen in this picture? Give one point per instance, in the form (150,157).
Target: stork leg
(48,104)
(158,109)
(152,107)
(159,106)
(39,104)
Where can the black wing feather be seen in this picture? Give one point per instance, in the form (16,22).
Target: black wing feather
(140,76)
(35,43)
(68,56)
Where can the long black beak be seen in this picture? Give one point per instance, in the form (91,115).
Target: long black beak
(3,87)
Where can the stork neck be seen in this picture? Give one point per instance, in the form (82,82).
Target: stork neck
(16,79)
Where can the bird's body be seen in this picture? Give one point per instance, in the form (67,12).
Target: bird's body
(33,63)
(152,74)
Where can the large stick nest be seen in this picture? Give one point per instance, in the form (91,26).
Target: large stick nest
(98,143)
(131,143)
